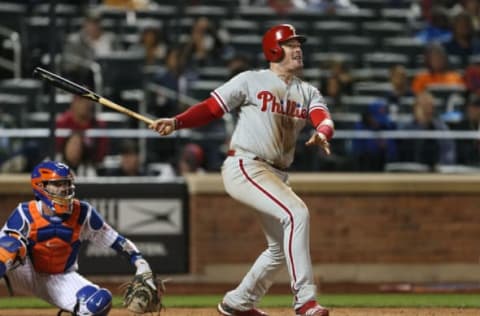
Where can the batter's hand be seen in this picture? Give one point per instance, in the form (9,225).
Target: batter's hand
(164,126)
(321,140)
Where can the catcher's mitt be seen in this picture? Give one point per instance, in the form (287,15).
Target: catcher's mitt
(143,295)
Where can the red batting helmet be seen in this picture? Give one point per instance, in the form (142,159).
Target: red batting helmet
(274,37)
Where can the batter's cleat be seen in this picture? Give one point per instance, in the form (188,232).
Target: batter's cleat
(226,310)
(311,308)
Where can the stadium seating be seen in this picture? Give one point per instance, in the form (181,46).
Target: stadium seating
(14,104)
(12,15)
(31,89)
(380,59)
(215,13)
(200,89)
(239,27)
(372,88)
(369,41)
(383,29)
(121,70)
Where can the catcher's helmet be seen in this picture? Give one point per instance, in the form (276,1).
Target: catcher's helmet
(274,37)
(51,171)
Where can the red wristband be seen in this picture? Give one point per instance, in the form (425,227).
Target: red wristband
(326,130)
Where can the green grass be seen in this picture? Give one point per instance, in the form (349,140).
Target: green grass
(331,300)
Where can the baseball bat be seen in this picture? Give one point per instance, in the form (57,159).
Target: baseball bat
(72,87)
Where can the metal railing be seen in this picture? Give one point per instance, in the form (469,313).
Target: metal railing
(13,39)
(192,134)
(92,66)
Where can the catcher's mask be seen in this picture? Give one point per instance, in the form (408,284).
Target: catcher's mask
(274,37)
(53,184)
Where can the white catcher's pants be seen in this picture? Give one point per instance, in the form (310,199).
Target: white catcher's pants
(285,221)
(57,289)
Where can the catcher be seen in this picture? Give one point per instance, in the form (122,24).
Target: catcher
(40,242)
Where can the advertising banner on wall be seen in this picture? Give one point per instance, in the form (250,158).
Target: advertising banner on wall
(154,215)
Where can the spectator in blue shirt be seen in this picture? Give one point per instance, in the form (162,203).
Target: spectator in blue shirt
(437,29)
(463,43)
(371,154)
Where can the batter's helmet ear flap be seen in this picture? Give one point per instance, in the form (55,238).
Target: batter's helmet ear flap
(274,37)
(276,53)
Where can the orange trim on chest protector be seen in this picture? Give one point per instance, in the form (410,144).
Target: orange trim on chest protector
(51,255)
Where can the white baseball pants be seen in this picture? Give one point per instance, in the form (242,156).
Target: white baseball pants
(57,289)
(285,221)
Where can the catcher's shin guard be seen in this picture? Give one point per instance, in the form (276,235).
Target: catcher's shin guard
(92,301)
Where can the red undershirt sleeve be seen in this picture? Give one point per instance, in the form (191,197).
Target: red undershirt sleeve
(322,121)
(199,114)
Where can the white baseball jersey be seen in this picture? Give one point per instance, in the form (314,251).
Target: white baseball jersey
(272,113)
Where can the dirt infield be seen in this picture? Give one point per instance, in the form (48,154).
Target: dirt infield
(276,312)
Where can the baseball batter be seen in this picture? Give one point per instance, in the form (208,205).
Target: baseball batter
(274,105)
(40,241)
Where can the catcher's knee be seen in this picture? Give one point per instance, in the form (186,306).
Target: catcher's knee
(92,301)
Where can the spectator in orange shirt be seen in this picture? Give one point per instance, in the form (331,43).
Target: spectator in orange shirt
(437,71)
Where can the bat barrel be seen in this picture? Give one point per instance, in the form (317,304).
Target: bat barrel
(65,84)
(74,88)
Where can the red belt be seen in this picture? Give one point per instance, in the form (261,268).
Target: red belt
(231,152)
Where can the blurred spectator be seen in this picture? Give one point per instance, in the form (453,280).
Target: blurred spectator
(463,43)
(473,8)
(337,84)
(81,117)
(472,78)
(325,6)
(437,70)
(131,164)
(423,10)
(18,155)
(75,154)
(468,150)
(426,9)
(165,100)
(428,151)
(127,4)
(22,160)
(205,45)
(401,88)
(339,69)
(437,28)
(371,154)
(332,91)
(328,6)
(81,48)
(152,44)
(6,143)
(238,64)
(191,160)
(281,6)
(174,78)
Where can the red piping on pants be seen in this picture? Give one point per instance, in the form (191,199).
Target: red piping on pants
(284,208)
